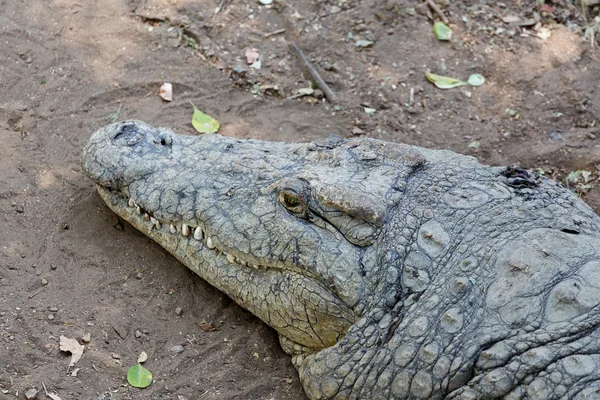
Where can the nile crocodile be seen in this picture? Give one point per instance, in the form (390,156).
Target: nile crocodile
(388,271)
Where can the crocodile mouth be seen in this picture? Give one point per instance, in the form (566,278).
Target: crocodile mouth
(146,221)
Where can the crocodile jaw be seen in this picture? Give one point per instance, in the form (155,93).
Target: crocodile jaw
(288,296)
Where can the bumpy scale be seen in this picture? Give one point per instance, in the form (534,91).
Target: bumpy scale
(389,271)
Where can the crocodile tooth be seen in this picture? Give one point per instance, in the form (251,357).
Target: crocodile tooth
(138,210)
(209,243)
(230,258)
(172,228)
(198,233)
(185,230)
(147,216)
(153,220)
(131,203)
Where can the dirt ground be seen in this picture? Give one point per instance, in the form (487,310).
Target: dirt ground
(69,267)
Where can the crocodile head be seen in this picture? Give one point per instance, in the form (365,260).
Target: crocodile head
(281,228)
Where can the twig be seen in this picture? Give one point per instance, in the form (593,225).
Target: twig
(438,11)
(277,32)
(220,8)
(315,75)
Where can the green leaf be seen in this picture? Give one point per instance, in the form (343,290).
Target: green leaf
(442,31)
(139,377)
(444,82)
(573,176)
(204,123)
(476,80)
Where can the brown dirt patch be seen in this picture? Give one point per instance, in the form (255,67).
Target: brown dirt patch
(69,267)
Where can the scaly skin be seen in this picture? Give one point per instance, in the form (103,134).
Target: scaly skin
(389,271)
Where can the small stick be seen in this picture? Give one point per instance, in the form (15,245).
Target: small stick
(438,11)
(315,75)
(277,32)
(220,8)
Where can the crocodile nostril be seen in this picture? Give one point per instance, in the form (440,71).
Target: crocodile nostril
(129,133)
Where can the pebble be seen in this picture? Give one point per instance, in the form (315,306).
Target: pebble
(31,394)
(44,281)
(178,311)
(86,338)
(53,309)
(139,275)
(177,349)
(138,334)
(51,317)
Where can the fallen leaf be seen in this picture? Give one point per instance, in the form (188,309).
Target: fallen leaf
(444,82)
(204,123)
(256,65)
(476,80)
(364,43)
(51,395)
(442,31)
(474,145)
(142,357)
(544,33)
(139,377)
(166,91)
(206,326)
(72,346)
(307,91)
(369,110)
(511,19)
(252,55)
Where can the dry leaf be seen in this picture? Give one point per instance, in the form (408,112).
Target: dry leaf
(206,326)
(252,55)
(166,91)
(51,395)
(73,347)
(142,358)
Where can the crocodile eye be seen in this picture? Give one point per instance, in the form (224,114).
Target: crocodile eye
(292,202)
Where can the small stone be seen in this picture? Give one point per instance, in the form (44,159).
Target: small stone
(115,356)
(177,349)
(139,275)
(138,334)
(86,338)
(31,394)
(53,309)
(52,267)
(50,317)
(20,209)
(178,311)
(44,281)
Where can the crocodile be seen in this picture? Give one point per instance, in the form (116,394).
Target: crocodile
(389,271)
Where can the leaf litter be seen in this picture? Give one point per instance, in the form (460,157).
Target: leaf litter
(71,346)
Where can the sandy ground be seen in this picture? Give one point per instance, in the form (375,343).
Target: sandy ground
(69,267)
